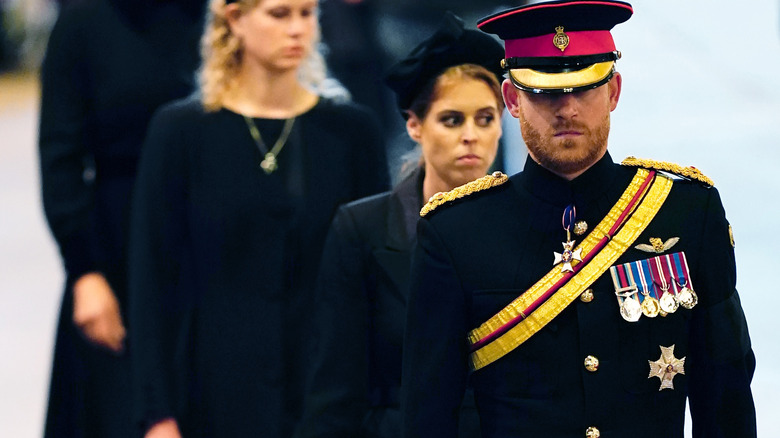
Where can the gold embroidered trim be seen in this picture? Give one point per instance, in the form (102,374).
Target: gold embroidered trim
(643,214)
(484,183)
(731,237)
(689,172)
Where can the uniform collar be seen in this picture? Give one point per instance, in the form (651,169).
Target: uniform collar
(582,191)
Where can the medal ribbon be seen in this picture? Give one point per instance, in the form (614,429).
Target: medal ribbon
(567,220)
(658,275)
(625,276)
(671,274)
(520,320)
(681,270)
(645,291)
(622,286)
(647,275)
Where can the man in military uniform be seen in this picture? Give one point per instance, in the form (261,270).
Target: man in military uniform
(579,297)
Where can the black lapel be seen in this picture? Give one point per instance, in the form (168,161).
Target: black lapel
(402,215)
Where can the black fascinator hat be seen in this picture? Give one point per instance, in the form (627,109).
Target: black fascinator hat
(449,46)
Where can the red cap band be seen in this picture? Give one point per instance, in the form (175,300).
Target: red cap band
(581,43)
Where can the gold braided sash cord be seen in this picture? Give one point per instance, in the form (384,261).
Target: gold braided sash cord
(642,215)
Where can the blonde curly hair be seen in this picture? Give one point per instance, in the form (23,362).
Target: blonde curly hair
(222,51)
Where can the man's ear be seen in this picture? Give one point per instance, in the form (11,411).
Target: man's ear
(511,98)
(414,127)
(615,86)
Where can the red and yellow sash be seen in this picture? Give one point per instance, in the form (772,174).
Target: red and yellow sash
(532,310)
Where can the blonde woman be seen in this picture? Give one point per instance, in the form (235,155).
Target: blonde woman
(235,192)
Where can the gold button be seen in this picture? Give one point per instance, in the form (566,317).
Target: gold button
(592,432)
(587,296)
(592,364)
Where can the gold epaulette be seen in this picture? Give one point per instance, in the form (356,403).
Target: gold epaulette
(484,183)
(689,172)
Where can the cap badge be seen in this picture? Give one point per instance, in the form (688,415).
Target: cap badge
(560,40)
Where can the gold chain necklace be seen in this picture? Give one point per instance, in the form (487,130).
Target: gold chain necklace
(269,163)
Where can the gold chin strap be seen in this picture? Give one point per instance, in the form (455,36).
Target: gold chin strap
(558,81)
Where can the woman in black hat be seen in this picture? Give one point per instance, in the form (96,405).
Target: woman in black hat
(448,90)
(235,192)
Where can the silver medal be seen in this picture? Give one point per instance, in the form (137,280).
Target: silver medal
(668,302)
(688,298)
(631,310)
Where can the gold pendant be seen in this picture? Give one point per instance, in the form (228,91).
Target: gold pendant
(666,367)
(269,163)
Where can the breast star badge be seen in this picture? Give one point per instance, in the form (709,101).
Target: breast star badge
(666,367)
(568,256)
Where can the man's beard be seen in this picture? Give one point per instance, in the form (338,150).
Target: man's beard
(563,157)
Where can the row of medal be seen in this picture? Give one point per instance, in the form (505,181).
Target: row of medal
(652,287)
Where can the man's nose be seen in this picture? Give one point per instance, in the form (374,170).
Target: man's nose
(566,106)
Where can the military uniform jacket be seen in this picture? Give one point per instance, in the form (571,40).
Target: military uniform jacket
(478,254)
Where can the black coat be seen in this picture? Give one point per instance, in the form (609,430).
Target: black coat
(361,307)
(224,259)
(103,76)
(475,256)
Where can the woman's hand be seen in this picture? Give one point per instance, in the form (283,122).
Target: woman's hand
(96,312)
(164,429)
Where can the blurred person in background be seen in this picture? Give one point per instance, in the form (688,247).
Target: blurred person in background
(448,90)
(108,65)
(235,192)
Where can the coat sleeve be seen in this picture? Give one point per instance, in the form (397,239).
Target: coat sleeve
(68,195)
(160,280)
(337,397)
(435,352)
(721,358)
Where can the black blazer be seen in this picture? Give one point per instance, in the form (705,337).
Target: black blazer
(361,307)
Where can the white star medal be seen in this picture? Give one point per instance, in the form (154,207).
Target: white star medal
(568,256)
(666,367)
